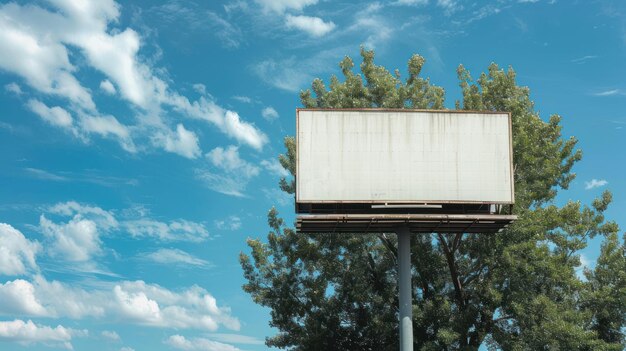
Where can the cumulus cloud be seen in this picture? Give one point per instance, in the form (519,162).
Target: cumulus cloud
(76,241)
(314,26)
(56,116)
(204,344)
(38,43)
(31,333)
(236,172)
(595,183)
(138,225)
(17,253)
(18,297)
(134,302)
(269,113)
(108,87)
(183,142)
(176,257)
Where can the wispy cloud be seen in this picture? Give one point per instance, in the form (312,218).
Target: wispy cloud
(192,344)
(236,339)
(187,15)
(230,174)
(610,92)
(175,257)
(595,183)
(88,176)
(584,59)
(244,99)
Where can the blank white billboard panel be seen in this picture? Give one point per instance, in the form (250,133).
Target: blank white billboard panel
(381,156)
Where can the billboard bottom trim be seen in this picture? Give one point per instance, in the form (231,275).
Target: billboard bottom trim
(416,223)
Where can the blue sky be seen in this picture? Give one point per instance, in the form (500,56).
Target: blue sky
(139,141)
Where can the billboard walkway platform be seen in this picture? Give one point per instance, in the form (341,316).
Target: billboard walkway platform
(388,223)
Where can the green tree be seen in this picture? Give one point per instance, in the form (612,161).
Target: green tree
(516,290)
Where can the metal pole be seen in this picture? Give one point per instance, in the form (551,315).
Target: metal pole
(404,289)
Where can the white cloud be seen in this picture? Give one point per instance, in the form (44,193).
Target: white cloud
(176,257)
(449,6)
(61,300)
(285,74)
(611,92)
(200,88)
(230,223)
(75,241)
(37,44)
(136,224)
(227,121)
(595,183)
(584,59)
(111,335)
(274,167)
(17,254)
(370,22)
(244,99)
(314,26)
(14,88)
(45,175)
(57,116)
(107,125)
(269,113)
(31,333)
(237,172)
(108,87)
(280,6)
(203,344)
(183,15)
(103,218)
(126,348)
(222,183)
(42,61)
(228,159)
(179,230)
(183,142)
(411,2)
(155,306)
(134,302)
(236,339)
(18,297)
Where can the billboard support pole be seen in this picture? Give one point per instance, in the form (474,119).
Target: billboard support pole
(404,289)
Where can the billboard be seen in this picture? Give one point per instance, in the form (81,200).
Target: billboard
(382,156)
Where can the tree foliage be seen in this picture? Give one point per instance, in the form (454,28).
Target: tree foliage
(517,290)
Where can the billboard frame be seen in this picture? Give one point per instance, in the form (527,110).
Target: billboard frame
(412,202)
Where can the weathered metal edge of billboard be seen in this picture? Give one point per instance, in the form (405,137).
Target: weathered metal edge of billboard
(416,201)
